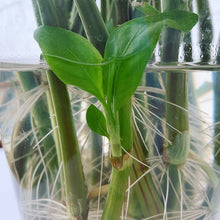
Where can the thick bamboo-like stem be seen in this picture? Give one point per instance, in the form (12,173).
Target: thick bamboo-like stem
(105,4)
(206,36)
(40,115)
(74,182)
(177,93)
(53,13)
(109,12)
(216,80)
(42,124)
(121,165)
(46,13)
(20,149)
(93,23)
(176,82)
(176,152)
(145,200)
(75,23)
(116,194)
(124,11)
(205,30)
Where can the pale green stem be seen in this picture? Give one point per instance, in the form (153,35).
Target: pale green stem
(216,80)
(121,165)
(205,30)
(74,181)
(146,201)
(56,139)
(40,115)
(176,152)
(52,12)
(116,194)
(48,13)
(23,148)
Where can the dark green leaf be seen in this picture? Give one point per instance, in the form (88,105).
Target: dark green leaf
(72,58)
(129,48)
(96,121)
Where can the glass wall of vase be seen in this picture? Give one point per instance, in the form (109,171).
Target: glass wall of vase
(68,147)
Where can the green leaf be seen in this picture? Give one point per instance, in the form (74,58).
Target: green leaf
(127,52)
(148,10)
(72,58)
(180,20)
(177,19)
(96,121)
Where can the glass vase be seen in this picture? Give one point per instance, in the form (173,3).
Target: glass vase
(63,169)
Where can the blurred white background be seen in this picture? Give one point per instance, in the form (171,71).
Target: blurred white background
(17,28)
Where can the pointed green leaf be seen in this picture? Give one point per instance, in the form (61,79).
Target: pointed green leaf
(96,121)
(129,48)
(177,19)
(180,20)
(72,58)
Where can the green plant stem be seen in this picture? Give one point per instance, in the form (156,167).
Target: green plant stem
(216,80)
(56,139)
(157,4)
(20,149)
(91,18)
(73,177)
(205,30)
(93,23)
(105,5)
(109,12)
(40,115)
(146,199)
(74,182)
(124,11)
(52,13)
(120,131)
(187,39)
(125,120)
(116,194)
(76,24)
(206,36)
(176,82)
(177,93)
(121,166)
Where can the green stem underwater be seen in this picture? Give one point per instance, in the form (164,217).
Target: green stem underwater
(144,196)
(216,88)
(40,115)
(176,152)
(116,194)
(74,181)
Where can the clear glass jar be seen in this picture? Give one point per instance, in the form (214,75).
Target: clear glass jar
(65,170)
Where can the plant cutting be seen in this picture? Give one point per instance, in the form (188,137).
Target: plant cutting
(112,81)
(108,66)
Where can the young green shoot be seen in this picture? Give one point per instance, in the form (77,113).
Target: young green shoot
(112,79)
